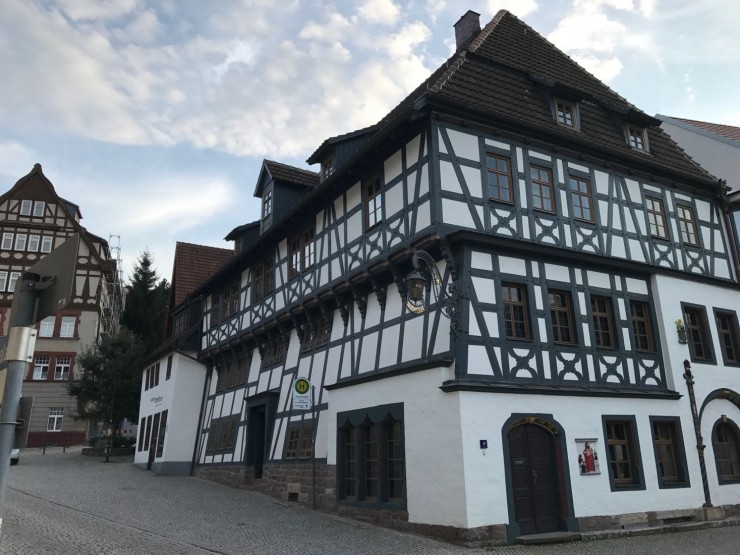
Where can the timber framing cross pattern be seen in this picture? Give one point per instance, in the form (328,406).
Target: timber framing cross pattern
(579,239)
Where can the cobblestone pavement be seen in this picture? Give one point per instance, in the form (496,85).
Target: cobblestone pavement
(68,504)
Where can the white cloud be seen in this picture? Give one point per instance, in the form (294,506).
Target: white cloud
(604,68)
(145,28)
(385,12)
(520,8)
(590,32)
(406,40)
(83,10)
(334,28)
(242,52)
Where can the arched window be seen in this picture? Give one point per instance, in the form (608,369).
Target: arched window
(726,451)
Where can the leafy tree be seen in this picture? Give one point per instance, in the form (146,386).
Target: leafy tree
(108,380)
(146,303)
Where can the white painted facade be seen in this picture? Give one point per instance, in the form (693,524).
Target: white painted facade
(170,448)
(473,405)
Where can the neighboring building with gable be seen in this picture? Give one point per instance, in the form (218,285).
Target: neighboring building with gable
(586,258)
(717,148)
(33,221)
(173,378)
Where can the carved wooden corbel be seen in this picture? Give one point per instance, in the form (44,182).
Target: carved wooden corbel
(380,291)
(360,301)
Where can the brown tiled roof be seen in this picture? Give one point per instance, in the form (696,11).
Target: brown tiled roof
(292,174)
(193,265)
(727,131)
(502,71)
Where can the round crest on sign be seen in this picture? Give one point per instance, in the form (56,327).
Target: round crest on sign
(302,385)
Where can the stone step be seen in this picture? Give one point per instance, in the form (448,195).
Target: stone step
(550,537)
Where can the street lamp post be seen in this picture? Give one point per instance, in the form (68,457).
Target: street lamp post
(689,377)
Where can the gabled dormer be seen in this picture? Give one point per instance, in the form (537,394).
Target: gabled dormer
(335,151)
(243,236)
(280,187)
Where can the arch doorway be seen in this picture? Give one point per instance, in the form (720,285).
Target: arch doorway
(536,486)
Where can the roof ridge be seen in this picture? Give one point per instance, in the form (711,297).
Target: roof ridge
(490,26)
(453,66)
(290,166)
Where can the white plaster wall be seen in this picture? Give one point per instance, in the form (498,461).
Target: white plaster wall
(483,416)
(669,292)
(180,395)
(434,481)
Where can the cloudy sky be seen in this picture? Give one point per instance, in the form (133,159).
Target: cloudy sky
(155,116)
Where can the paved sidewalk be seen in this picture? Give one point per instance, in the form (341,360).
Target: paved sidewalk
(68,504)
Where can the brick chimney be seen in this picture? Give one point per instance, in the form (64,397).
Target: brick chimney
(467,27)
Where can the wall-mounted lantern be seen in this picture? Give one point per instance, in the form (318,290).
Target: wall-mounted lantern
(416,283)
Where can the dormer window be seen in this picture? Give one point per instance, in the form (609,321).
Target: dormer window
(267,204)
(636,137)
(566,113)
(327,167)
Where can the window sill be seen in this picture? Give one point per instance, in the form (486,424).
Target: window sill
(673,485)
(509,203)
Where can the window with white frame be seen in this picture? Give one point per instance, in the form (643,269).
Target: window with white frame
(68,326)
(46,243)
(14,276)
(38,209)
(7,243)
(55,420)
(3,280)
(46,326)
(61,368)
(20,241)
(33,243)
(26,206)
(41,368)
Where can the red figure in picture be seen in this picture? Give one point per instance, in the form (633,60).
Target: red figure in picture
(588,458)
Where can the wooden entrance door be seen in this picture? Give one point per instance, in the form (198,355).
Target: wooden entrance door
(256,438)
(534,479)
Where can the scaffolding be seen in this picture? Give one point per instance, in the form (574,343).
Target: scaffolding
(114,295)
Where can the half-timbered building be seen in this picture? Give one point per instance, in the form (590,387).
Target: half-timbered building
(34,220)
(172,376)
(579,257)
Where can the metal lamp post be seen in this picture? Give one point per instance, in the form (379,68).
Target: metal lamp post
(689,377)
(445,296)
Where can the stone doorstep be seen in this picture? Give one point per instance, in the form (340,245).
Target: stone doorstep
(551,537)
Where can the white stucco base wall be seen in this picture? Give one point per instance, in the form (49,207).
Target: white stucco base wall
(451,481)
(484,414)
